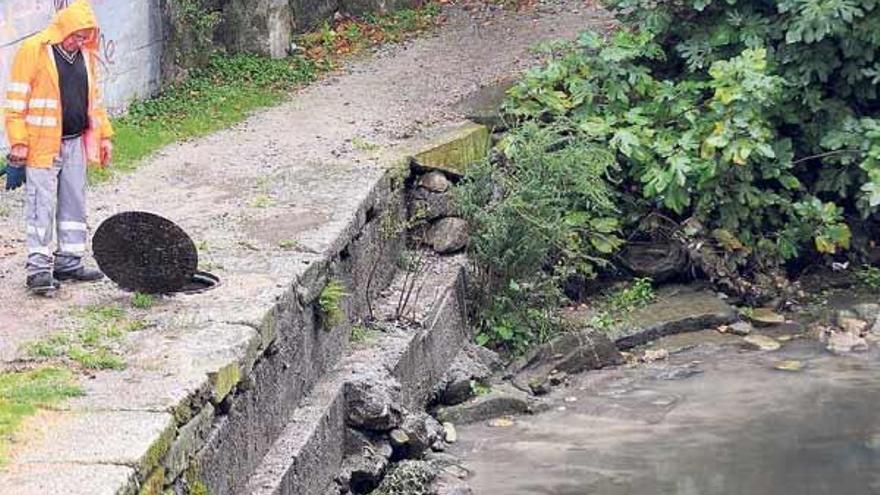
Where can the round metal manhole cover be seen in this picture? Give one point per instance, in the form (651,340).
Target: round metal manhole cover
(144,252)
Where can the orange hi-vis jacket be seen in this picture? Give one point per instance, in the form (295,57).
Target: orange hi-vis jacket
(33,96)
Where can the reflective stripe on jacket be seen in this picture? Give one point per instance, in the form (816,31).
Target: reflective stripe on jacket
(33,96)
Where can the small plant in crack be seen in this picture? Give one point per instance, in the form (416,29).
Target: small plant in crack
(330,303)
(141,300)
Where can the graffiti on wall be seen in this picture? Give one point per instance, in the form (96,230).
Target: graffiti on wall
(129,51)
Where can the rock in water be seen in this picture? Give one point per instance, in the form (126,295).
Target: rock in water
(854,326)
(501,400)
(741,328)
(501,422)
(766,317)
(762,342)
(652,355)
(844,342)
(789,365)
(569,353)
(449,433)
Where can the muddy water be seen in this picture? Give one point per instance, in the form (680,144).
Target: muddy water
(712,419)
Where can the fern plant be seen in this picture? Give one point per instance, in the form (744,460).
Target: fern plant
(330,304)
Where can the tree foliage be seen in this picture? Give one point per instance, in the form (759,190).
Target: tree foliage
(757,119)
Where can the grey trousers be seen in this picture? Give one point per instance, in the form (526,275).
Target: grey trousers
(56,208)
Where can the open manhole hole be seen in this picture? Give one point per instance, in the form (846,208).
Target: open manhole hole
(147,253)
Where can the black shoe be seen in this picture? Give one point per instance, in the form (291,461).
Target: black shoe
(42,283)
(81,274)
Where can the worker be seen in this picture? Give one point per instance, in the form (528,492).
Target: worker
(56,124)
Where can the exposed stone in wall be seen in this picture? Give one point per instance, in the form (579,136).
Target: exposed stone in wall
(309,14)
(187,43)
(257,26)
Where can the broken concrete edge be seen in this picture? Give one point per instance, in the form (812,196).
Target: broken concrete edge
(454,149)
(310,452)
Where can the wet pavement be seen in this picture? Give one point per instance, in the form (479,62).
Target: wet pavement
(713,418)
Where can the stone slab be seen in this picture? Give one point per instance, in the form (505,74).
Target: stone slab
(127,438)
(676,309)
(68,479)
(455,148)
(174,372)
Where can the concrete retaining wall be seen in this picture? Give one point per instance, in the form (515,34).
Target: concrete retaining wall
(309,453)
(303,349)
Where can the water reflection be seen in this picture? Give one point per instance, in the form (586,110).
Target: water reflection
(738,426)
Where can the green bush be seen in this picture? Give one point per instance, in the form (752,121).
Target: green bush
(755,118)
(546,212)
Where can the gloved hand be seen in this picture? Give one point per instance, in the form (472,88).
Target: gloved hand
(15,172)
(15,177)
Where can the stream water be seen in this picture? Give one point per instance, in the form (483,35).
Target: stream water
(714,418)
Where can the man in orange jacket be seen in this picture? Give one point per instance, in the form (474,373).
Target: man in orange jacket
(56,124)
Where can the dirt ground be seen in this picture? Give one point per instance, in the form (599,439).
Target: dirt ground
(283,173)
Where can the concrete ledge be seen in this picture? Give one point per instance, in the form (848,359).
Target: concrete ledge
(138,440)
(455,148)
(69,479)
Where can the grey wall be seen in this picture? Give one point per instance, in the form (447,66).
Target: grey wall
(131,44)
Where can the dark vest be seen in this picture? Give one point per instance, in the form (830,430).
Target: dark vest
(73,79)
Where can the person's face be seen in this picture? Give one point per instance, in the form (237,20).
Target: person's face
(76,40)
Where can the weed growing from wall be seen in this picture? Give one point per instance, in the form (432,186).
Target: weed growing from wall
(330,304)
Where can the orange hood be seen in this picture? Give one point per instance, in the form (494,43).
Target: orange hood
(78,15)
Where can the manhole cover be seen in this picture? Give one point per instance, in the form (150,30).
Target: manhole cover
(144,252)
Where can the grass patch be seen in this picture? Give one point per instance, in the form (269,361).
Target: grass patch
(22,393)
(363,145)
(232,86)
(362,335)
(288,244)
(93,341)
(616,306)
(263,201)
(142,301)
